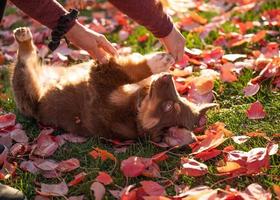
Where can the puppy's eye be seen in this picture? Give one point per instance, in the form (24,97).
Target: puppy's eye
(167,106)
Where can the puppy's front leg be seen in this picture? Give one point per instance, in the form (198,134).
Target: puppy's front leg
(139,67)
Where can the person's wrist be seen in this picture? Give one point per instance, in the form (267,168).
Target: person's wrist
(75,31)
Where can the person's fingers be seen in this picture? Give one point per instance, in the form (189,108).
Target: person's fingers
(107,46)
(98,54)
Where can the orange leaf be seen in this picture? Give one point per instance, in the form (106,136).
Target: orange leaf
(229,167)
(103,154)
(215,135)
(77,179)
(276,189)
(259,36)
(197,18)
(104,178)
(204,84)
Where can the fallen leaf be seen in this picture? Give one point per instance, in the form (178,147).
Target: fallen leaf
(276,189)
(7,120)
(29,166)
(59,189)
(98,189)
(256,111)
(215,135)
(227,74)
(68,165)
(103,154)
(251,89)
(46,144)
(19,135)
(152,170)
(132,167)
(255,191)
(233,57)
(240,139)
(228,167)
(104,178)
(258,36)
(192,167)
(152,188)
(207,155)
(46,165)
(77,179)
(204,84)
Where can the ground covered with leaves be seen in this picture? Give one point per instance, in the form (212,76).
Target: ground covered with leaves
(231,58)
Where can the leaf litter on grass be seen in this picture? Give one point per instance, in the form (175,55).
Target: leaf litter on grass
(196,77)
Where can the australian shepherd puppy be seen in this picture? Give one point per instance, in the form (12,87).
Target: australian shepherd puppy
(128,97)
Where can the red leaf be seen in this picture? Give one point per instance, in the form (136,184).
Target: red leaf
(98,189)
(215,135)
(7,120)
(251,89)
(46,165)
(192,167)
(19,135)
(46,144)
(152,170)
(7,170)
(152,188)
(206,155)
(256,111)
(255,191)
(104,178)
(77,179)
(132,167)
(59,189)
(29,166)
(68,165)
(19,149)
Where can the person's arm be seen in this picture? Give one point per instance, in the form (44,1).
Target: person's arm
(48,12)
(149,13)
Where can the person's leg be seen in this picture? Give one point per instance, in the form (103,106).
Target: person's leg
(7,192)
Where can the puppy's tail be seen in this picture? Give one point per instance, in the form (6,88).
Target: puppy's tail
(25,75)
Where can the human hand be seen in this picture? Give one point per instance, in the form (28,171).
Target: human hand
(94,43)
(174,43)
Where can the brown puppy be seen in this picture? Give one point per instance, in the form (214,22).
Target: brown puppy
(117,100)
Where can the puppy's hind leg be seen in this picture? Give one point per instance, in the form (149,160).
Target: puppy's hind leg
(25,75)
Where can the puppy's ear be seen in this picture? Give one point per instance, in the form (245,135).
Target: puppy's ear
(202,109)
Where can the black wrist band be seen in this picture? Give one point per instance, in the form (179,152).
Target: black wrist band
(63,26)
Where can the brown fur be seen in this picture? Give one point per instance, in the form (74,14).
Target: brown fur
(117,99)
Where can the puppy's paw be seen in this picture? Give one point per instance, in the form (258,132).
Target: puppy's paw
(22,34)
(159,62)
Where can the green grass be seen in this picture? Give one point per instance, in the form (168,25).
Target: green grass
(232,111)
